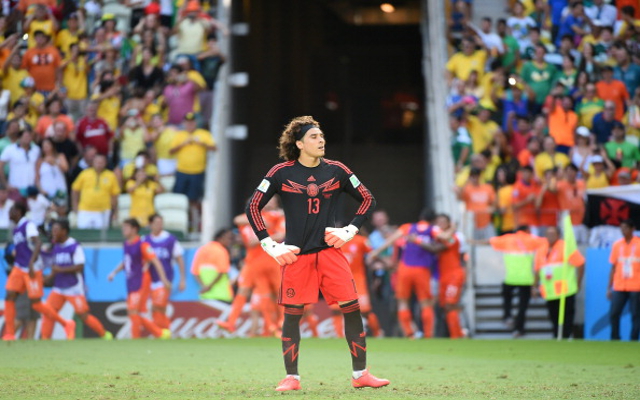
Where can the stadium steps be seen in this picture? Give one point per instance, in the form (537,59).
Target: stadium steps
(488,316)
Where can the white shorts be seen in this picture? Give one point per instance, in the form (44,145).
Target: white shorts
(75,290)
(93,219)
(166,166)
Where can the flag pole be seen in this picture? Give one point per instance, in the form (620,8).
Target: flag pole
(569,247)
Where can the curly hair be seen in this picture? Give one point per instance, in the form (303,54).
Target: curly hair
(287,143)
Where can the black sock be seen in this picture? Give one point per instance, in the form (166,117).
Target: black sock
(291,338)
(354,333)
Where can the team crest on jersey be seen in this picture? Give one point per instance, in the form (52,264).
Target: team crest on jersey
(264,186)
(311,189)
(291,293)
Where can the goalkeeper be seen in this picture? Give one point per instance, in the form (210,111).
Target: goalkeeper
(309,186)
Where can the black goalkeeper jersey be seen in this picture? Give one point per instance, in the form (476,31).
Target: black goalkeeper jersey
(309,198)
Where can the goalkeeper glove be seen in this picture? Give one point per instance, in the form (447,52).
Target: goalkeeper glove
(337,237)
(282,253)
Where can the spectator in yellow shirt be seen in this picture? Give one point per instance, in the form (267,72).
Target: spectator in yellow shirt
(142,189)
(190,147)
(41,20)
(469,59)
(549,158)
(142,160)
(162,137)
(71,34)
(33,99)
(12,72)
(108,99)
(482,130)
(94,195)
(75,71)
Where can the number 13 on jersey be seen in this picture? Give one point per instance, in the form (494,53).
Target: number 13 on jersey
(314,205)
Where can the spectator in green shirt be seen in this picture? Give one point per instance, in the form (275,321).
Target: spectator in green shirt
(511,55)
(539,75)
(618,149)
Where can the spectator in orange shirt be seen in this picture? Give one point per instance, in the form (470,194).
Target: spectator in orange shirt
(480,198)
(528,155)
(547,202)
(562,123)
(42,63)
(524,197)
(624,280)
(44,127)
(23,5)
(613,90)
(571,193)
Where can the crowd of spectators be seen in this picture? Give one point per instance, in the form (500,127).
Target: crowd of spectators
(542,108)
(94,104)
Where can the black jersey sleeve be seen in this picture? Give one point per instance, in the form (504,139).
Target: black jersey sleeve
(263,193)
(360,193)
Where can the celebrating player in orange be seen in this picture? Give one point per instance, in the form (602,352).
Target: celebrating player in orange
(26,275)
(167,249)
(452,276)
(419,257)
(355,252)
(260,274)
(136,254)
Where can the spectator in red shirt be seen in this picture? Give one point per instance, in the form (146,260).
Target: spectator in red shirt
(547,201)
(94,131)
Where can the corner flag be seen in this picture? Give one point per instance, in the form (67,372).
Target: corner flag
(570,246)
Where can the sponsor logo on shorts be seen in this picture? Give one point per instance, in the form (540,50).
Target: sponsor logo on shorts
(291,292)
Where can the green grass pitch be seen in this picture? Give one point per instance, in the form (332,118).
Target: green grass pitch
(250,369)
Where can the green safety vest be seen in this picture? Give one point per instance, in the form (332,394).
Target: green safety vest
(519,269)
(220,291)
(551,283)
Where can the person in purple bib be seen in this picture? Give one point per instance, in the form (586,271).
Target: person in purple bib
(67,258)
(419,259)
(167,249)
(136,254)
(26,275)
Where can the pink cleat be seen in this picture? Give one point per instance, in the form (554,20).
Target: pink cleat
(8,337)
(368,380)
(288,383)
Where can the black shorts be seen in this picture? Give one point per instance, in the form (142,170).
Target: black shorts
(191,185)
(166,21)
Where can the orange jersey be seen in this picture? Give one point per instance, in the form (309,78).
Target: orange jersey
(519,243)
(479,199)
(525,215)
(549,209)
(625,258)
(355,250)
(274,221)
(449,259)
(615,91)
(546,255)
(571,198)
